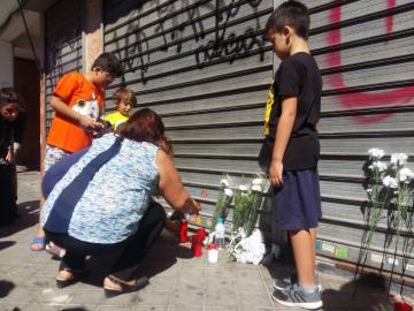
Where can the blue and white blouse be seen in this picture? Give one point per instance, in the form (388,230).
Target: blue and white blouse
(115,199)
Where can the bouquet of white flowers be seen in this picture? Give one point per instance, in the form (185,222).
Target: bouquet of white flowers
(247,249)
(246,245)
(390,188)
(247,202)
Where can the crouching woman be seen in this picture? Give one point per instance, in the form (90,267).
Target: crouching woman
(99,201)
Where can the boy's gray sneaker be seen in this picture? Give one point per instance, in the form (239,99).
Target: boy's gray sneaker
(290,280)
(295,296)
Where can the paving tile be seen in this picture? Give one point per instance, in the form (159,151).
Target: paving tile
(193,297)
(184,307)
(85,296)
(149,308)
(28,307)
(78,307)
(256,285)
(148,296)
(114,308)
(220,308)
(218,298)
(254,298)
(19,295)
(52,296)
(178,281)
(186,283)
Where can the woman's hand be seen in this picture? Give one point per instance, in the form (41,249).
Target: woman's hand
(89,124)
(191,206)
(10,156)
(276,173)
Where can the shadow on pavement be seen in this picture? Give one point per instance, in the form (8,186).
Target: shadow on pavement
(368,292)
(28,217)
(161,257)
(5,288)
(6,244)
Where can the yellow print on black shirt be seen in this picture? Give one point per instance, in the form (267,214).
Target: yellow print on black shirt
(269,104)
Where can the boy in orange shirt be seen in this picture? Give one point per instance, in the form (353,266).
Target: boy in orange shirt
(78,101)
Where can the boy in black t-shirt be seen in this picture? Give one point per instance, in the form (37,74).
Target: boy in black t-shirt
(292,146)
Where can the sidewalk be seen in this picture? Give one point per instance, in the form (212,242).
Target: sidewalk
(177,280)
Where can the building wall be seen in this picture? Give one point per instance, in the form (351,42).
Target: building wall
(64,28)
(204,66)
(6,64)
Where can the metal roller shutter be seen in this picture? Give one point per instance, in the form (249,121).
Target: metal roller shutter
(365,53)
(203,65)
(64,24)
(205,68)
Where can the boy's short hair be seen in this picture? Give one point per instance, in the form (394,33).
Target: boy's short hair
(125,95)
(290,13)
(110,63)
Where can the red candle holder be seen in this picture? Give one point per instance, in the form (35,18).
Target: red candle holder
(183,238)
(197,242)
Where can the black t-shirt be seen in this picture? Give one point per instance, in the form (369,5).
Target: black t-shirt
(299,76)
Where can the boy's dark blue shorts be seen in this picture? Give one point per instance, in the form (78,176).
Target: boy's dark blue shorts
(297,204)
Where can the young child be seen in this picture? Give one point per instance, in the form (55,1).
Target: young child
(293,145)
(78,101)
(124,100)
(11,134)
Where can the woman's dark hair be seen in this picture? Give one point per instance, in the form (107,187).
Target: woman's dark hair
(143,125)
(8,95)
(110,63)
(290,13)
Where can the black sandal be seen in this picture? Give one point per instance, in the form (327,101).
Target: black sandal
(65,283)
(125,288)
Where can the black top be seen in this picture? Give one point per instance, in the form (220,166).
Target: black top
(299,76)
(10,132)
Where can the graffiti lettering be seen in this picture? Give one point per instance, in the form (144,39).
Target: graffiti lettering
(231,48)
(179,22)
(360,99)
(133,47)
(130,49)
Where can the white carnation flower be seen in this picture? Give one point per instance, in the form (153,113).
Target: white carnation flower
(257,188)
(406,175)
(378,165)
(399,159)
(390,182)
(376,153)
(224,182)
(243,188)
(228,192)
(252,249)
(257,181)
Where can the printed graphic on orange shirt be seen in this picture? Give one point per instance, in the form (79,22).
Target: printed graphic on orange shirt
(89,108)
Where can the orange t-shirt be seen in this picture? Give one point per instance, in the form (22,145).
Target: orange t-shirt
(85,98)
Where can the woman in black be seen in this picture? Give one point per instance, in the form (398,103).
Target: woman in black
(11,134)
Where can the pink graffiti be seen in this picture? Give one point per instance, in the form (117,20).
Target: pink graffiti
(400,96)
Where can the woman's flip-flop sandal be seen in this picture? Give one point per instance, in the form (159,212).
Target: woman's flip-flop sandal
(38,240)
(125,288)
(64,283)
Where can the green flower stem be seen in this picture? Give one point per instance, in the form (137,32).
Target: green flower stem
(223,202)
